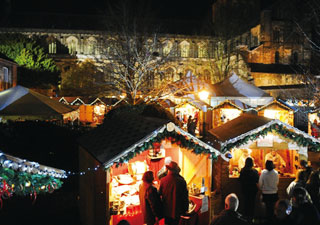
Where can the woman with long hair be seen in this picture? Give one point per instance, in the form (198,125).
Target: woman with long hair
(249,178)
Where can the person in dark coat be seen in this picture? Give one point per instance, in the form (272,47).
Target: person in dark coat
(313,188)
(303,211)
(249,179)
(230,215)
(174,193)
(150,201)
(282,210)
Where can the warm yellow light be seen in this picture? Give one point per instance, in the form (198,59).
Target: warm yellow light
(203,95)
(269,113)
(28,184)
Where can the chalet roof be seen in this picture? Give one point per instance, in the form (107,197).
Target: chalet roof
(121,135)
(23,102)
(250,127)
(234,86)
(6,59)
(236,103)
(276,102)
(240,125)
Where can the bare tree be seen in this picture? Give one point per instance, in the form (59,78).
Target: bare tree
(132,59)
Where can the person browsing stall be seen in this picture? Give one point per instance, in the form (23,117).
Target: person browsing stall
(150,201)
(174,193)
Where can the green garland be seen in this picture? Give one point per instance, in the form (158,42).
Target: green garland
(23,183)
(279,129)
(172,136)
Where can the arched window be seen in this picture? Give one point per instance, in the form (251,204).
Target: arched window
(72,43)
(277,57)
(91,46)
(202,50)
(184,49)
(167,46)
(52,48)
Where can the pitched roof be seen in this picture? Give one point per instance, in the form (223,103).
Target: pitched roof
(250,127)
(125,134)
(236,103)
(234,86)
(23,102)
(240,125)
(118,134)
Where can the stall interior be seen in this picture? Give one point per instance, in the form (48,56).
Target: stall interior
(126,179)
(314,125)
(188,114)
(223,115)
(278,113)
(286,160)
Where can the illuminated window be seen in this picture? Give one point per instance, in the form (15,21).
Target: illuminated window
(167,48)
(72,44)
(202,51)
(91,46)
(184,49)
(52,47)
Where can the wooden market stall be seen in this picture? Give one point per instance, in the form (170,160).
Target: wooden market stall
(277,110)
(259,138)
(128,146)
(227,110)
(198,110)
(314,123)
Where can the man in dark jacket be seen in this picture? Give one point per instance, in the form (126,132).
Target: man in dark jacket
(230,215)
(174,193)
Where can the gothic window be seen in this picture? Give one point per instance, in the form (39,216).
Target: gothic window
(277,57)
(202,50)
(167,46)
(184,49)
(52,47)
(72,43)
(91,46)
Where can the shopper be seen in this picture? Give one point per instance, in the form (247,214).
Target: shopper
(313,188)
(174,193)
(230,215)
(300,181)
(306,168)
(268,183)
(249,178)
(303,211)
(282,211)
(150,202)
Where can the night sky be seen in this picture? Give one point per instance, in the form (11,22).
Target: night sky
(180,9)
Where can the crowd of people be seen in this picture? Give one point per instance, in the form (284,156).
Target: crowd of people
(301,208)
(170,201)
